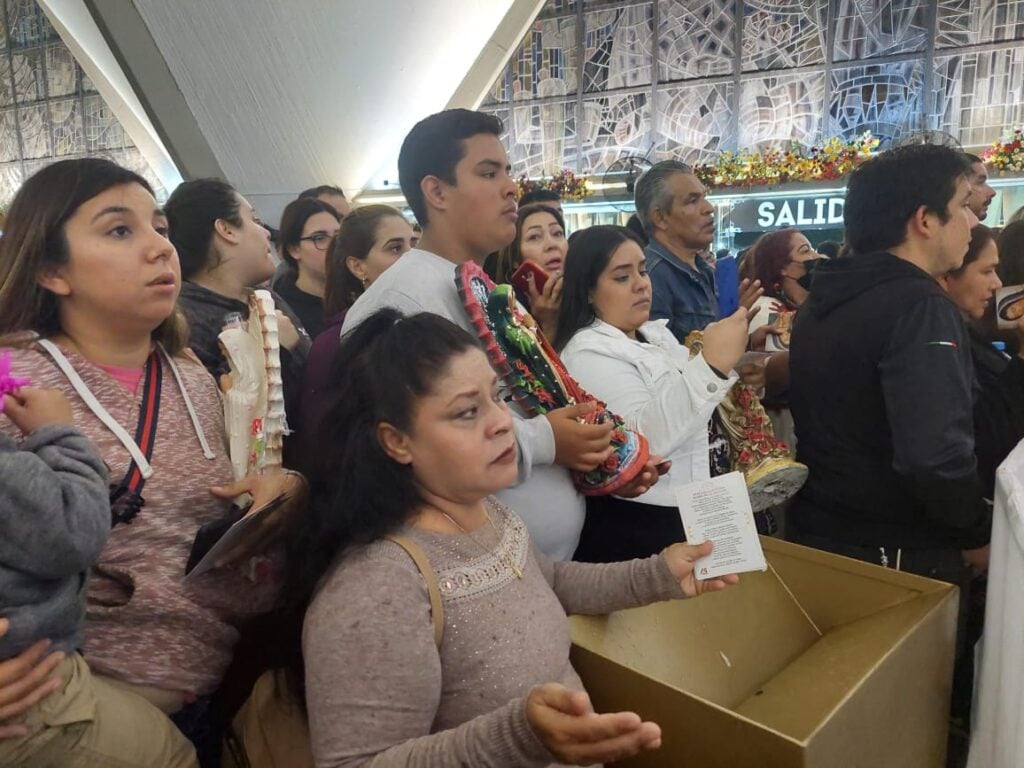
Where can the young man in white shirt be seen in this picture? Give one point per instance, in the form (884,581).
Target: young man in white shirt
(456,177)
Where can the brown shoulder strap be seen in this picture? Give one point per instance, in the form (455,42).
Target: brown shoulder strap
(419,557)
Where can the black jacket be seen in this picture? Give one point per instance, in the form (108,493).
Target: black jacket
(881,392)
(205,311)
(999,410)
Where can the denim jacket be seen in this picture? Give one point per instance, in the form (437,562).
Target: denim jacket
(687,298)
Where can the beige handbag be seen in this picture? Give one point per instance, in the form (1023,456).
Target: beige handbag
(270,730)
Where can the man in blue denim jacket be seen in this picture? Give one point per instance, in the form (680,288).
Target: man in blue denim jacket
(680,222)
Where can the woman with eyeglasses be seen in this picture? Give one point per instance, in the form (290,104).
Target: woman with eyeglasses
(307,228)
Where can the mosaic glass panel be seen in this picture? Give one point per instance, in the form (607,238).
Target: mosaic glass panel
(612,127)
(1005,20)
(543,65)
(133,159)
(617,47)
(542,138)
(882,98)
(557,8)
(29,81)
(6,88)
(101,128)
(46,97)
(868,29)
(9,149)
(696,38)
(61,71)
(10,176)
(954,23)
(27,25)
(35,131)
(778,34)
(693,122)
(68,135)
(779,110)
(980,95)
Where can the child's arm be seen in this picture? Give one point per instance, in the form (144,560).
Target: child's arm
(54,498)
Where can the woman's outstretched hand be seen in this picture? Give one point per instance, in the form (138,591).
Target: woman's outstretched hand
(567,725)
(680,559)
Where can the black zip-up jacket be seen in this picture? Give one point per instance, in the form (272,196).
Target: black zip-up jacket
(999,409)
(882,392)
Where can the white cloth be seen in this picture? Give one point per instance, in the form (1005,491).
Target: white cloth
(997,738)
(545,496)
(658,391)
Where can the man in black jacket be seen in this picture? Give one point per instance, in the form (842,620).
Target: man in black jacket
(882,378)
(882,388)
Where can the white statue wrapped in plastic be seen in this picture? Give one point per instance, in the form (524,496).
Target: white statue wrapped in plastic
(252,393)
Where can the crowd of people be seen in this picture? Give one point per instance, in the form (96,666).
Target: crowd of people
(407,603)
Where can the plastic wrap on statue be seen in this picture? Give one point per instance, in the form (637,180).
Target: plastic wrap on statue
(536,377)
(766,462)
(252,393)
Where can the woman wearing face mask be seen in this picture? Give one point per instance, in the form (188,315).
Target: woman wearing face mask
(999,410)
(308,227)
(540,239)
(371,238)
(608,343)
(420,458)
(784,262)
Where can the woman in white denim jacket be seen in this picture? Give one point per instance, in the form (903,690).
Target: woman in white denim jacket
(637,367)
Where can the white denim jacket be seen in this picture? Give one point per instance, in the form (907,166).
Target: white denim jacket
(657,390)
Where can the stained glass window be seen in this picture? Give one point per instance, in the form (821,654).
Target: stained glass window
(687,78)
(49,109)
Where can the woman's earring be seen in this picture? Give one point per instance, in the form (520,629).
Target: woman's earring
(365,282)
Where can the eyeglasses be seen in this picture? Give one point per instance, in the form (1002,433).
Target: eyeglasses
(320,240)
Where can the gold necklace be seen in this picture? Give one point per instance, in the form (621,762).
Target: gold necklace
(504,557)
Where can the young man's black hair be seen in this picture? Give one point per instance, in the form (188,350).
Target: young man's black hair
(434,146)
(884,192)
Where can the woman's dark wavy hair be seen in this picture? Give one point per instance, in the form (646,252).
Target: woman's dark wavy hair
(355,238)
(511,256)
(590,250)
(35,240)
(192,211)
(358,494)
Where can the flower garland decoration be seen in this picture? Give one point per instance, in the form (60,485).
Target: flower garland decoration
(567,184)
(1007,154)
(748,168)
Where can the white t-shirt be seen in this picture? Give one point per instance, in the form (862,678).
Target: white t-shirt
(545,496)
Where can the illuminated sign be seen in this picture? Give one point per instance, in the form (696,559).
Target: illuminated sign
(753,214)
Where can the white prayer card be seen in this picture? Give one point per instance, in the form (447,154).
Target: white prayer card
(719,510)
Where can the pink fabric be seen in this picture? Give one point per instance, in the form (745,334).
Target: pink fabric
(128,378)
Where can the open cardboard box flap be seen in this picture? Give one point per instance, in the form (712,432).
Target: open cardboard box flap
(819,661)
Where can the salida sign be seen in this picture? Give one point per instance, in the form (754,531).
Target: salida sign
(779,212)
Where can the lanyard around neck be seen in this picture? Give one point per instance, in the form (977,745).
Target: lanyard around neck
(141,462)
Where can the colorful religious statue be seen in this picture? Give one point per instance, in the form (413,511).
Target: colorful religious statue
(766,462)
(536,378)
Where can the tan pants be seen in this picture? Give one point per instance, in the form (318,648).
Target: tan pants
(88,724)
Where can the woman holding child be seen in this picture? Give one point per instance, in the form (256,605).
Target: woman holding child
(88,285)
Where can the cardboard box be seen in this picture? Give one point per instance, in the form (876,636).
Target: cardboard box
(819,662)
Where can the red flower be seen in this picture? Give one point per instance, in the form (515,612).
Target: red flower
(611,463)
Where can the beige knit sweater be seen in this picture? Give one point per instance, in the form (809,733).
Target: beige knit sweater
(379,693)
